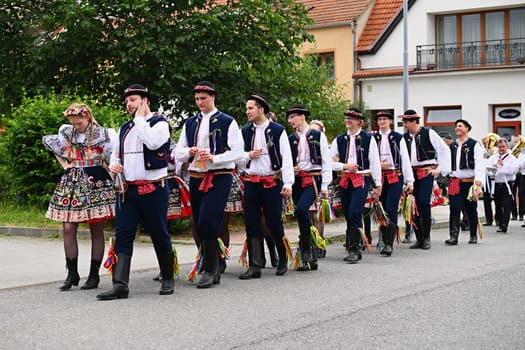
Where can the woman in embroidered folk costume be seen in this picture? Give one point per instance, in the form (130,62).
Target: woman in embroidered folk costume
(356,156)
(84,193)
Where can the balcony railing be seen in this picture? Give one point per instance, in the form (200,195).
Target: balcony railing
(471,54)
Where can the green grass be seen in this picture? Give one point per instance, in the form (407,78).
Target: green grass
(25,216)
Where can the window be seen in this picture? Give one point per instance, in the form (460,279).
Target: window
(441,119)
(327,59)
(479,39)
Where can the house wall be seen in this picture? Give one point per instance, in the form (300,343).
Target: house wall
(476,91)
(421,29)
(338,40)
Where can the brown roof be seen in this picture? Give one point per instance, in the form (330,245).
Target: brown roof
(334,11)
(382,14)
(380,72)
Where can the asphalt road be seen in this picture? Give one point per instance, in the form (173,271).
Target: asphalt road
(462,297)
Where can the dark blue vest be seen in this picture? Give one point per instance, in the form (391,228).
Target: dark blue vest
(313,138)
(272,135)
(424,148)
(394,138)
(466,160)
(362,146)
(153,159)
(219,125)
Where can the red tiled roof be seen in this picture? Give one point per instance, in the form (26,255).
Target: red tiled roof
(334,11)
(330,11)
(380,72)
(380,17)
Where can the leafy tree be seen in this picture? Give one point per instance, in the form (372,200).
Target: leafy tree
(98,47)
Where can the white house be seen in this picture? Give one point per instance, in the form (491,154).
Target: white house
(466,60)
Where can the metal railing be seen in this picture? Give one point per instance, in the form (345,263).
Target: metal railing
(471,54)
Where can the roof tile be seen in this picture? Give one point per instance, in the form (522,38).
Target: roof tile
(381,15)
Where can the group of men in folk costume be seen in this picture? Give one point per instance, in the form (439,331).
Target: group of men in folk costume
(299,166)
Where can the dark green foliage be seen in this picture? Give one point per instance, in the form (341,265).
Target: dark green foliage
(32,171)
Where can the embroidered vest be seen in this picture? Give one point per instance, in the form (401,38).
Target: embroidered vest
(272,135)
(362,147)
(218,137)
(153,159)
(424,148)
(313,139)
(394,139)
(466,160)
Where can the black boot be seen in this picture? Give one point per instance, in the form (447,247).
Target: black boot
(454,231)
(210,255)
(354,249)
(307,254)
(166,270)
(282,265)
(270,243)
(93,278)
(390,233)
(263,255)
(383,232)
(473,232)
(254,259)
(418,233)
(73,277)
(427,226)
(120,288)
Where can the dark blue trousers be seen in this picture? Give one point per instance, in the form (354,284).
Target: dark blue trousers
(256,197)
(303,198)
(459,201)
(353,201)
(422,192)
(208,207)
(390,195)
(152,209)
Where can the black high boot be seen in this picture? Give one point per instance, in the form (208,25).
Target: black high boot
(390,233)
(427,226)
(417,232)
(305,244)
(454,226)
(354,249)
(166,270)
(211,275)
(473,232)
(73,277)
(254,259)
(282,265)
(270,243)
(93,278)
(383,232)
(120,289)
(263,255)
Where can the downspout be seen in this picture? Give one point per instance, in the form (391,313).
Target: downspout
(354,63)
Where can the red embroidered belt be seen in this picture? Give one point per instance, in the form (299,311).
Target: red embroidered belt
(207,177)
(146,186)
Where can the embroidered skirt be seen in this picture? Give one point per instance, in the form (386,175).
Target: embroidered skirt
(83,195)
(179,205)
(236,197)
